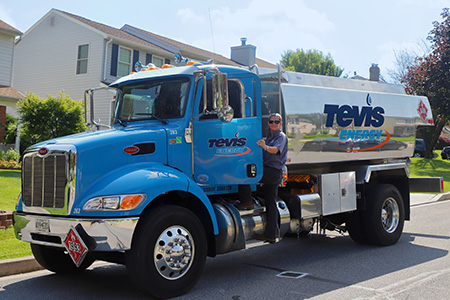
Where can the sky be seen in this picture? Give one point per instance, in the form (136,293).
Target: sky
(356,33)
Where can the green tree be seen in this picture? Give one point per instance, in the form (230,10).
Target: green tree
(44,119)
(310,61)
(430,76)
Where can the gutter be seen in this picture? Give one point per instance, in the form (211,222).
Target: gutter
(105,57)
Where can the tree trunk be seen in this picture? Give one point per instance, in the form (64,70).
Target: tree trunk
(431,136)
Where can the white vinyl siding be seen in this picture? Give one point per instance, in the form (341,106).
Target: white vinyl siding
(6,57)
(82,59)
(124,62)
(43,69)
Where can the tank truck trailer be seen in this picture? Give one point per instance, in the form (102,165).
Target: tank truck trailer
(156,190)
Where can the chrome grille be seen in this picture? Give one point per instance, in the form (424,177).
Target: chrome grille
(44,180)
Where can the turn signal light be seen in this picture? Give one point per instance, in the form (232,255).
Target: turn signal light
(130,202)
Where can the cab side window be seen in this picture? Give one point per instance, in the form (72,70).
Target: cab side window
(235,99)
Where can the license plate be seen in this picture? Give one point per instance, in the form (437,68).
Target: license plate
(42,225)
(75,246)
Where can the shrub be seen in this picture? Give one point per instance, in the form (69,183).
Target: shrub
(45,119)
(2,155)
(12,155)
(10,129)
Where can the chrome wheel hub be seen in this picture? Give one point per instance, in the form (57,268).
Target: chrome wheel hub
(174,252)
(390,215)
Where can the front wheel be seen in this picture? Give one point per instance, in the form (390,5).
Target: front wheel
(384,215)
(168,252)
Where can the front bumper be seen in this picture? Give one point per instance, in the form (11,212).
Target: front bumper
(109,234)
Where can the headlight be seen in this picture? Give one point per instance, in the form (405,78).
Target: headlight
(116,202)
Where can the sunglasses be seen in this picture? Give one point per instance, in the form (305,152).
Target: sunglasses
(276,122)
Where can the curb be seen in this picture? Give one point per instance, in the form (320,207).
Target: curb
(19,265)
(442,197)
(29,264)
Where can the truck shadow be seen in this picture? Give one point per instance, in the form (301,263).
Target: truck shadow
(318,265)
(322,263)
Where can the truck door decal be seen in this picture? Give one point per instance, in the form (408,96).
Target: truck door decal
(226,147)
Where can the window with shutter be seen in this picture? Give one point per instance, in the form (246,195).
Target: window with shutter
(124,62)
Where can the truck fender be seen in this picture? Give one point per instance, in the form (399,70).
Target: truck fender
(153,179)
(200,194)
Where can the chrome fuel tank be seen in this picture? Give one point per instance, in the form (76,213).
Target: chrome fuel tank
(333,125)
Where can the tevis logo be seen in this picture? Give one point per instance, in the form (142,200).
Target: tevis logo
(233,142)
(346,114)
(229,146)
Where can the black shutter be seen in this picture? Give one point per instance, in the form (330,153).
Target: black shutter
(148,58)
(135,59)
(167,61)
(114,58)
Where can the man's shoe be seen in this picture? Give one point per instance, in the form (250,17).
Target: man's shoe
(245,205)
(264,238)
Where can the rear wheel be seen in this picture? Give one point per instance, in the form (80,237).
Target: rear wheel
(355,227)
(168,252)
(55,260)
(384,216)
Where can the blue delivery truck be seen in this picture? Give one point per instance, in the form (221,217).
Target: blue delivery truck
(157,189)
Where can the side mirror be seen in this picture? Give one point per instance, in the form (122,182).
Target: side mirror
(220,97)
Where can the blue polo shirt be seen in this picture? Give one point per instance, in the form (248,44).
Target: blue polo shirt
(277,161)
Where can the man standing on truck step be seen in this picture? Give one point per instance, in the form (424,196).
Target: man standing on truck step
(274,159)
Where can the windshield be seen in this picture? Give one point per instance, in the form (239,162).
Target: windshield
(152,99)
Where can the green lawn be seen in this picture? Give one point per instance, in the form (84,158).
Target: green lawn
(437,167)
(9,188)
(10,247)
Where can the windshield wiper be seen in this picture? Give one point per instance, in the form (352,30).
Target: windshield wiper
(153,116)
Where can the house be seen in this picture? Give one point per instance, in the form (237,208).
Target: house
(69,53)
(8,95)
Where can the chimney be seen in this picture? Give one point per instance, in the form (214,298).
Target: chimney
(244,54)
(374,73)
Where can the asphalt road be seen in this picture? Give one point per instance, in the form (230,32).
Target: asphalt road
(319,267)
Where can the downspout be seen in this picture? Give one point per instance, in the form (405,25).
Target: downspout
(105,57)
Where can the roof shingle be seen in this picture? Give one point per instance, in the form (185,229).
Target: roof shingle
(8,91)
(9,28)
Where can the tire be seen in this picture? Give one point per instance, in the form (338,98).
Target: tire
(355,228)
(417,155)
(55,260)
(384,216)
(152,263)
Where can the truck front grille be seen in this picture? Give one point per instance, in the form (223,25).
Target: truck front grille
(44,180)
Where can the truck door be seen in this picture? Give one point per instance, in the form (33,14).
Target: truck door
(226,153)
